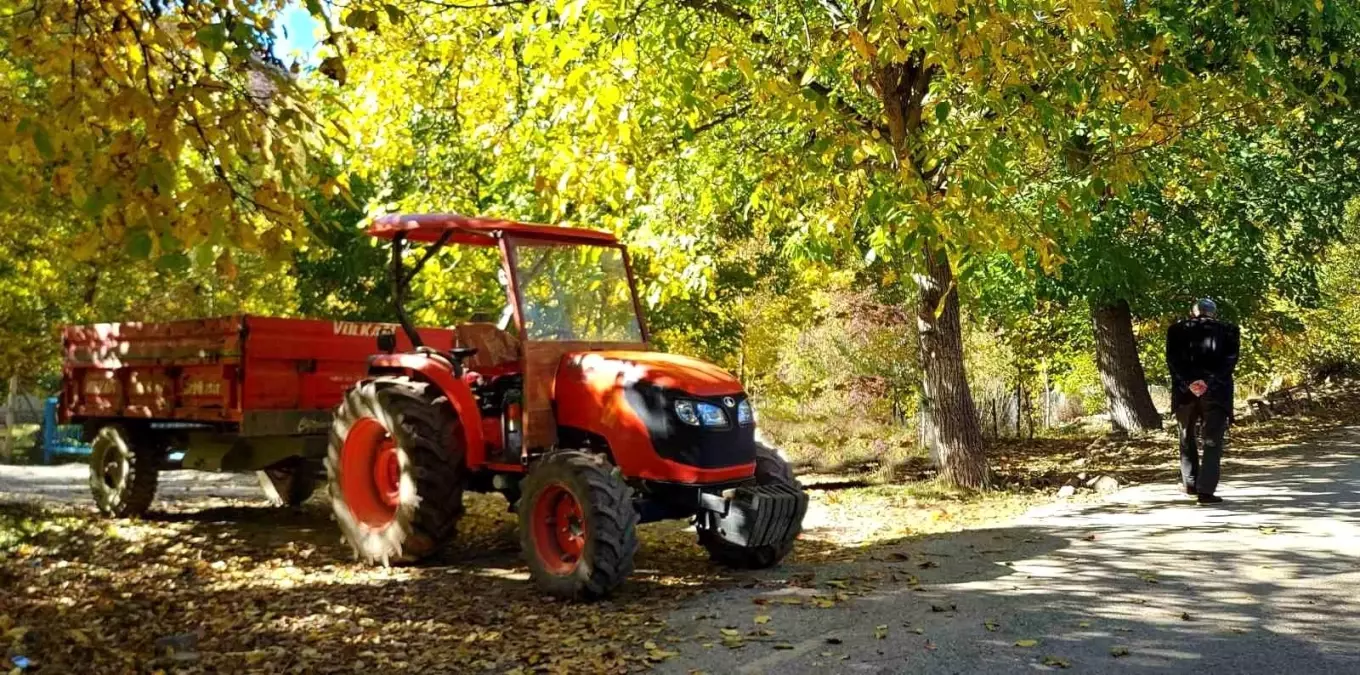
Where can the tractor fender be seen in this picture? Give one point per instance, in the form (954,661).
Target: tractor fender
(439,372)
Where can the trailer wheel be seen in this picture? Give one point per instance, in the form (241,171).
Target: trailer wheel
(124,469)
(771,469)
(289,484)
(395,469)
(577,525)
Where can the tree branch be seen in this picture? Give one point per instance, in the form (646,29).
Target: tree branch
(486,5)
(720,8)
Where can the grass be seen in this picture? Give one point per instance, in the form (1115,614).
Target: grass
(850,448)
(24,443)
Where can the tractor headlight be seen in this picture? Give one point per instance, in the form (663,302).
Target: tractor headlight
(745,413)
(685,411)
(700,414)
(713,416)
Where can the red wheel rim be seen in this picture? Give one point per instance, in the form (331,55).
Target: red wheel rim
(370,473)
(559,529)
(387,475)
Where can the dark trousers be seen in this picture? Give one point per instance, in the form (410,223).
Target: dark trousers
(1199,467)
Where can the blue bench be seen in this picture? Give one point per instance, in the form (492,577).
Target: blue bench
(59,439)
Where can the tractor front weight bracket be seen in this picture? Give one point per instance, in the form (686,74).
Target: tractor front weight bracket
(752,516)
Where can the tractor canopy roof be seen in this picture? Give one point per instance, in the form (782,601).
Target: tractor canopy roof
(473,231)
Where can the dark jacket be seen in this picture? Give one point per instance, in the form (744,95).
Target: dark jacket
(1202,349)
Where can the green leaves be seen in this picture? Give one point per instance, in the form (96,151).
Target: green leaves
(394,13)
(363,19)
(941,111)
(334,68)
(139,244)
(42,142)
(212,37)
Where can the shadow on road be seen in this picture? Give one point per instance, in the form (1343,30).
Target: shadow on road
(1145,582)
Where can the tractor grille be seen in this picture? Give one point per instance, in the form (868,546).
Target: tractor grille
(702,447)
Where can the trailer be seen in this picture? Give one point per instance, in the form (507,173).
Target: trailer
(236,393)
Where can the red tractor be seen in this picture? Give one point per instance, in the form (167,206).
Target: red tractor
(564,410)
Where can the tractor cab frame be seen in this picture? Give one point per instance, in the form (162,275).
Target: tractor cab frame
(530,354)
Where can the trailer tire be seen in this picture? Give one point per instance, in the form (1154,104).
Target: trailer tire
(771,469)
(124,469)
(395,470)
(591,554)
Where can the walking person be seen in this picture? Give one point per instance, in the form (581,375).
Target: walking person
(1201,352)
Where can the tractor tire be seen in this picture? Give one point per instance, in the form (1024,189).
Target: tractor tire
(395,470)
(771,469)
(577,525)
(288,485)
(124,470)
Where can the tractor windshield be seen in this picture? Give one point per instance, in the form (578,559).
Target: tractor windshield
(575,292)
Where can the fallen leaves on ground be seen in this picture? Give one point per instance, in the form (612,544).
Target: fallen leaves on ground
(1056,662)
(248,588)
(1026,643)
(1049,463)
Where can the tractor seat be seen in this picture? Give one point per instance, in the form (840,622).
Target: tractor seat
(492,346)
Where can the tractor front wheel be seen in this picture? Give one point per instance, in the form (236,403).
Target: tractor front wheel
(124,469)
(395,469)
(577,524)
(771,469)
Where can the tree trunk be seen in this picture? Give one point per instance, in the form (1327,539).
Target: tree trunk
(7,444)
(1048,401)
(1121,373)
(950,418)
(1019,403)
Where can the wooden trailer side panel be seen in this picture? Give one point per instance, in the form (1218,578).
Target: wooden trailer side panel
(222,369)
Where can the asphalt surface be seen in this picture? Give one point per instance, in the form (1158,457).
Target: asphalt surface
(69,483)
(1143,582)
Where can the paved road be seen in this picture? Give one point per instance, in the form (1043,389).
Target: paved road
(69,483)
(1268,582)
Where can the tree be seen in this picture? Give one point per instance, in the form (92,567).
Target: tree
(917,135)
(167,129)
(1240,214)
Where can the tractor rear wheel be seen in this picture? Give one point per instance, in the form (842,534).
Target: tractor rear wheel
(771,469)
(577,525)
(124,469)
(395,469)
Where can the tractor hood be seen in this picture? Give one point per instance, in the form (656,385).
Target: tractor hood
(667,371)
